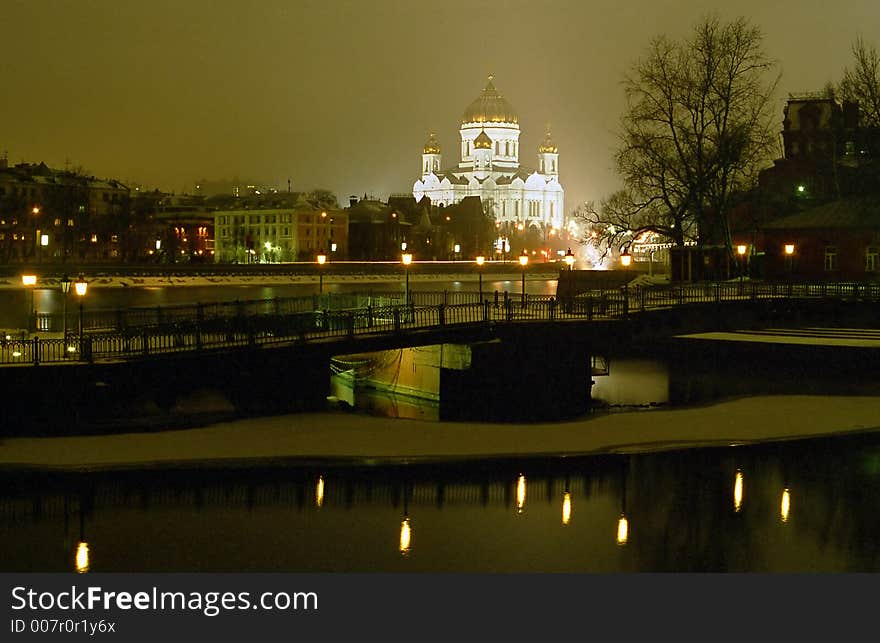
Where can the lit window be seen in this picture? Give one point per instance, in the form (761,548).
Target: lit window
(94,238)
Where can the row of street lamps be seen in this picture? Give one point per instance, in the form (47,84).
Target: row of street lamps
(406,259)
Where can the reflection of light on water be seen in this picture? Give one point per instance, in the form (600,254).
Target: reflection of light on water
(319,492)
(785,505)
(566,508)
(738,491)
(622,530)
(82,558)
(520,493)
(405,537)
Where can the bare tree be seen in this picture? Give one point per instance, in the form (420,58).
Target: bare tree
(697,128)
(861,84)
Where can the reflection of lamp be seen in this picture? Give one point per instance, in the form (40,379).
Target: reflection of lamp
(520,493)
(319,492)
(622,529)
(738,491)
(82,558)
(405,536)
(785,505)
(566,508)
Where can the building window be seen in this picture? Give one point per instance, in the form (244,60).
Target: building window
(871,259)
(830,258)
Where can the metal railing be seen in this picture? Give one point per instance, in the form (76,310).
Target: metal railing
(230,325)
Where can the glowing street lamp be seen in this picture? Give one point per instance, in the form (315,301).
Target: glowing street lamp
(480,260)
(30,282)
(625,259)
(81,286)
(321,259)
(741,251)
(65,288)
(789,255)
(406,258)
(569,259)
(524,261)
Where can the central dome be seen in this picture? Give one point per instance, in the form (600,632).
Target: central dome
(489,107)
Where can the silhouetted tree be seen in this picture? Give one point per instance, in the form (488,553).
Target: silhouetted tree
(697,128)
(861,83)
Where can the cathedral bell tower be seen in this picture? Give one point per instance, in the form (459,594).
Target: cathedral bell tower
(548,156)
(482,156)
(431,156)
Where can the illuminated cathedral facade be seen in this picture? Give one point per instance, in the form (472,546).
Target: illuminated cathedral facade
(489,167)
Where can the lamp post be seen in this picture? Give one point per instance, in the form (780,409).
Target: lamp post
(524,261)
(80,287)
(65,288)
(30,282)
(406,258)
(569,259)
(625,261)
(741,251)
(789,255)
(480,260)
(322,259)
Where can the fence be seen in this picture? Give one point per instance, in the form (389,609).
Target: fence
(232,325)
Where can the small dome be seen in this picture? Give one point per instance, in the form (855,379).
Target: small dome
(547,145)
(483,142)
(433,145)
(489,107)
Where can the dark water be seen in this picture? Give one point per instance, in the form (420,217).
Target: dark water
(548,515)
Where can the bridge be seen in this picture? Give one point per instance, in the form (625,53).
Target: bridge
(365,322)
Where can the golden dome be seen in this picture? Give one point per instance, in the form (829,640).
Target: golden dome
(547,145)
(489,107)
(483,142)
(433,145)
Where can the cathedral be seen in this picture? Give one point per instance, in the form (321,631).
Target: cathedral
(489,167)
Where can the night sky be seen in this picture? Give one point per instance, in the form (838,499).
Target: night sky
(342,95)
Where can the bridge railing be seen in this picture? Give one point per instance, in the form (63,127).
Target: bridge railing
(240,324)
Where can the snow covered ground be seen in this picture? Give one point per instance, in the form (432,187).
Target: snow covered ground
(343,436)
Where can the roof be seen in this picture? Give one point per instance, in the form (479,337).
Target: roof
(432,146)
(483,142)
(489,107)
(844,213)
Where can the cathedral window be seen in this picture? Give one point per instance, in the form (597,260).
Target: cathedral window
(507,148)
(552,166)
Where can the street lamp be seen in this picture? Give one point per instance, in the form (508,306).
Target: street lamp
(406,259)
(569,259)
(789,254)
(30,282)
(741,251)
(480,260)
(524,261)
(80,286)
(65,288)
(322,259)
(625,259)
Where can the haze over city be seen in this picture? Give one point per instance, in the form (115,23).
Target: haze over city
(342,95)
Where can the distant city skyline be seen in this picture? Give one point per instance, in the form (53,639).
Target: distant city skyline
(341,95)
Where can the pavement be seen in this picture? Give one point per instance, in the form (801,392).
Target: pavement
(810,336)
